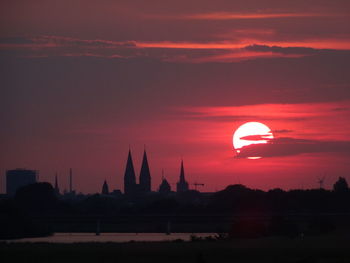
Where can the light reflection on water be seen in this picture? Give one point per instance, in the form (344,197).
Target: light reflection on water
(112,237)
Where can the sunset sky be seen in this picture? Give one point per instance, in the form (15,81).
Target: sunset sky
(81,80)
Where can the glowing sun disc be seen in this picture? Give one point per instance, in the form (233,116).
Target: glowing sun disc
(261,132)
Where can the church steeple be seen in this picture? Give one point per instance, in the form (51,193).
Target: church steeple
(145,175)
(182,185)
(182,172)
(129,176)
(105,190)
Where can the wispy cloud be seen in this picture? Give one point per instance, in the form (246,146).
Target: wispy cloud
(314,121)
(59,41)
(309,128)
(241,43)
(286,146)
(285,111)
(239,16)
(171,51)
(48,46)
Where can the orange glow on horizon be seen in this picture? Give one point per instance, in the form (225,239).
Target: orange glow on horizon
(311,43)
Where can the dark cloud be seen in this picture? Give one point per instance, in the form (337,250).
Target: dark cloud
(16,40)
(46,46)
(291,146)
(183,52)
(206,116)
(282,131)
(284,50)
(341,109)
(256,137)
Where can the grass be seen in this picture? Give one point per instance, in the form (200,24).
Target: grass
(331,248)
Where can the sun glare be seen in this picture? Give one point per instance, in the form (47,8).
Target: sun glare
(251,133)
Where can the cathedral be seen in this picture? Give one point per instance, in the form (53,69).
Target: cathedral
(131,187)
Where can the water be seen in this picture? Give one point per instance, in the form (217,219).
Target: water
(111,237)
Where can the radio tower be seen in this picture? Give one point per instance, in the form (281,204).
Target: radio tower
(70,180)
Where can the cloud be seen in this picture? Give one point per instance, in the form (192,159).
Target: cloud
(15,40)
(284,50)
(295,112)
(48,46)
(239,16)
(256,137)
(286,146)
(282,131)
(168,51)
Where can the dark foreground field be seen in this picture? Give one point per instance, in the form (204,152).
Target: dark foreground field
(324,249)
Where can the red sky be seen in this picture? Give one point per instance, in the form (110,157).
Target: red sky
(83,80)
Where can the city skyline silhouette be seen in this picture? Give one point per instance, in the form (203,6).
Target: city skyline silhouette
(174,131)
(81,86)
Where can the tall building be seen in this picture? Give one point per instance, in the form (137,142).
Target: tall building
(145,175)
(182,185)
(18,178)
(130,186)
(105,190)
(57,189)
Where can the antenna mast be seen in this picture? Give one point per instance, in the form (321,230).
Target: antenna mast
(70,180)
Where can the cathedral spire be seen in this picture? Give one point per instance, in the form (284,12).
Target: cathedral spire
(182,172)
(182,185)
(129,176)
(145,175)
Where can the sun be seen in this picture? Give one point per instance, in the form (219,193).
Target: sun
(251,133)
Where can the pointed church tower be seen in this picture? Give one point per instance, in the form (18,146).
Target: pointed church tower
(164,187)
(105,190)
(57,189)
(182,185)
(129,177)
(145,175)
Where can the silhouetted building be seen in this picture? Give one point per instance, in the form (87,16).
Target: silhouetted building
(18,178)
(57,189)
(105,190)
(145,176)
(130,186)
(341,185)
(116,192)
(164,187)
(182,185)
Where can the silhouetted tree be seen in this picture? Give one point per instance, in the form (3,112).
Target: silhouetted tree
(98,204)
(14,223)
(164,205)
(238,198)
(341,185)
(36,197)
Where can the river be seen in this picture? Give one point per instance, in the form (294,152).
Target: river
(111,237)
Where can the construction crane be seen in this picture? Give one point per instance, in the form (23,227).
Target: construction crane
(321,181)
